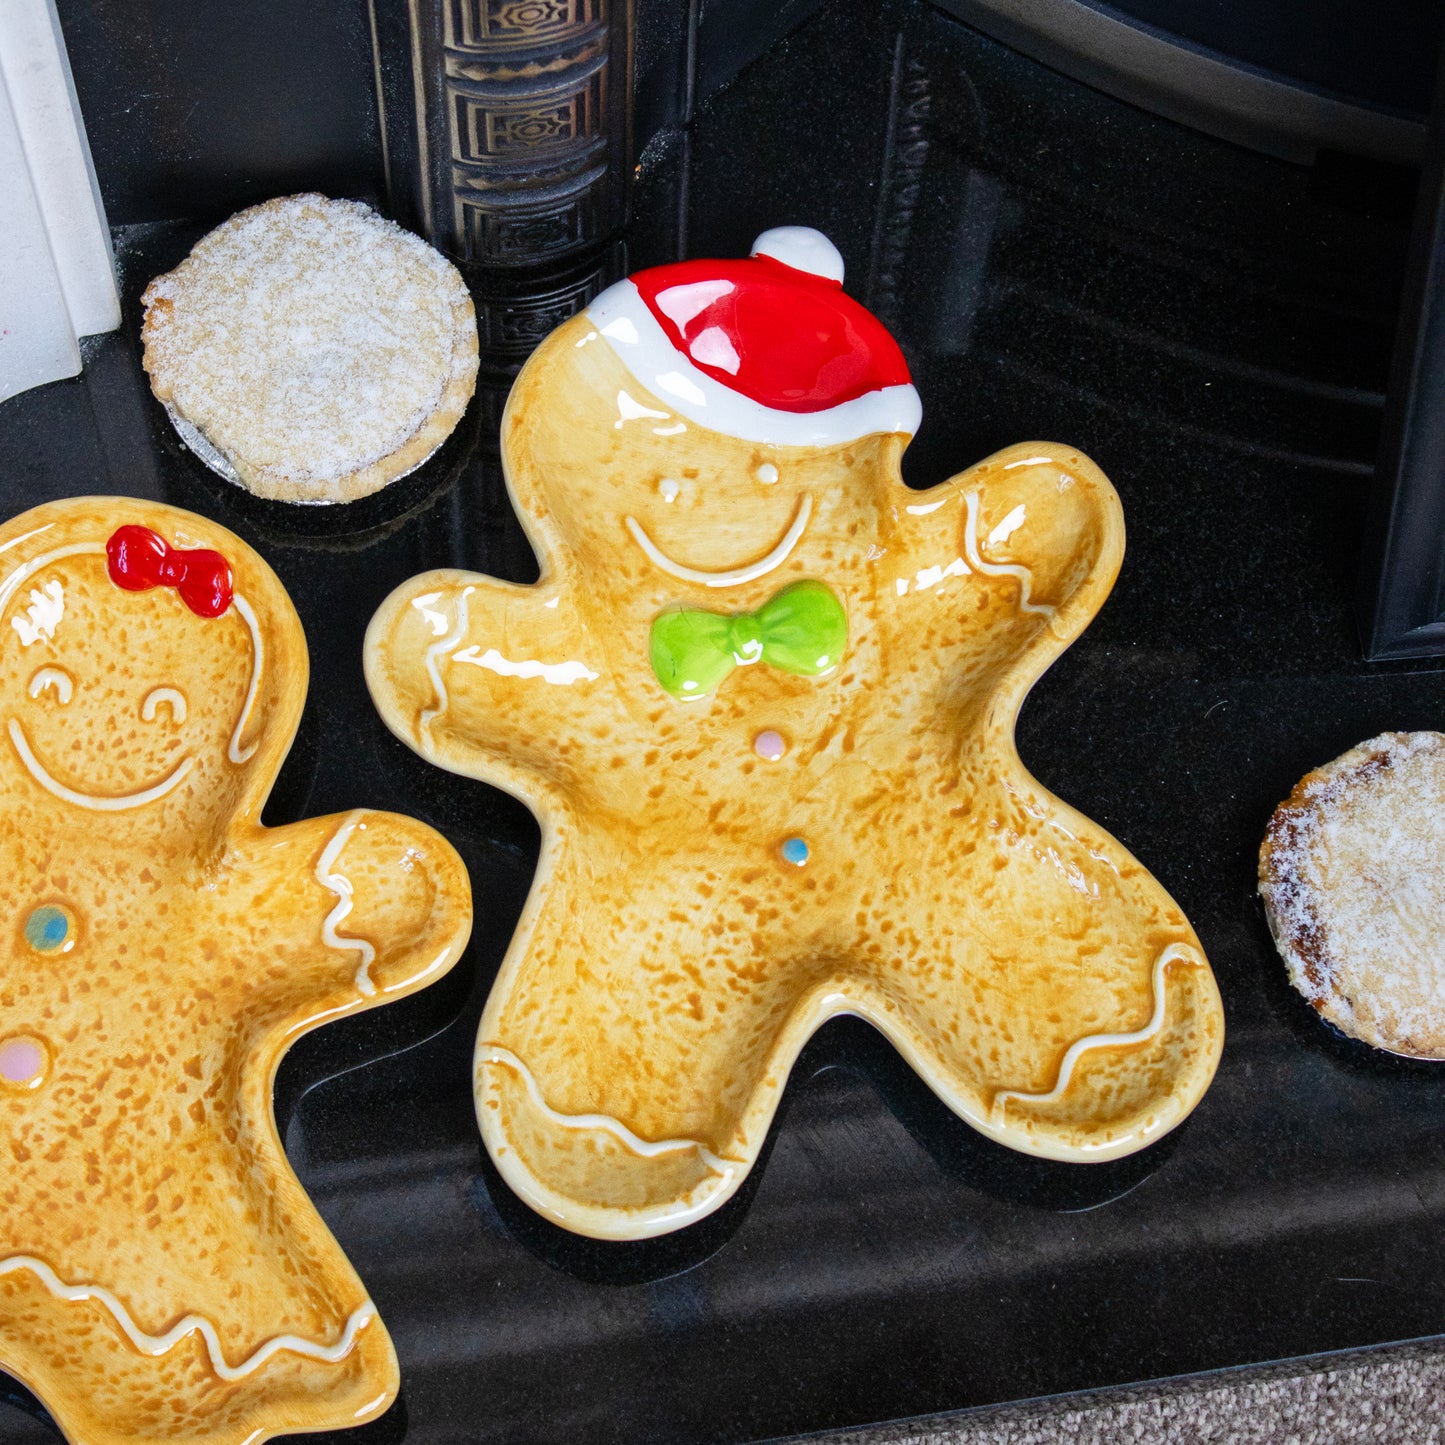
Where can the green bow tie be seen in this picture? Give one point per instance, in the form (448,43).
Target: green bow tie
(803,629)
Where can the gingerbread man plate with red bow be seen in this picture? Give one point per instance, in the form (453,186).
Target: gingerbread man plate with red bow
(162,1273)
(762,698)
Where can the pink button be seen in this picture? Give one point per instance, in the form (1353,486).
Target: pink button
(770,745)
(22,1061)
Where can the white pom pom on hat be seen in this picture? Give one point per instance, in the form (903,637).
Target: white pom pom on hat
(766,349)
(802,248)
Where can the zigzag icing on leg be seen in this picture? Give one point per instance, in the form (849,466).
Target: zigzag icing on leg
(648,1148)
(149,1344)
(1099,1041)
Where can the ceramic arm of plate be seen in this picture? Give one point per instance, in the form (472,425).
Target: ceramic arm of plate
(366,905)
(1038,521)
(926,532)
(472,672)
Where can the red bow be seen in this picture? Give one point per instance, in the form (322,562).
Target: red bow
(139,560)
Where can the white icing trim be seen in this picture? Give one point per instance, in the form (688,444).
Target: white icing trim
(732,576)
(647,1148)
(997,569)
(77,549)
(23,573)
(439,688)
(55,677)
(155,697)
(233,748)
(633,332)
(340,885)
(154,1345)
(98,802)
(1099,1041)
(564,673)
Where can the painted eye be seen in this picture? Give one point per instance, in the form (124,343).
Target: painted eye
(767,473)
(669,489)
(53,679)
(170,697)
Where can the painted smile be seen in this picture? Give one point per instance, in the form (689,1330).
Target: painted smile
(730,576)
(51,784)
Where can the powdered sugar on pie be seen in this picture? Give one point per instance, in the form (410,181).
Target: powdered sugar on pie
(1352,873)
(319,349)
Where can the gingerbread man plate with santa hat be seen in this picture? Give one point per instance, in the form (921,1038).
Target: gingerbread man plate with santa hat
(762,699)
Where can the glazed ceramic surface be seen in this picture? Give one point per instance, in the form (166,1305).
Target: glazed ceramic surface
(884,1260)
(162,1274)
(762,699)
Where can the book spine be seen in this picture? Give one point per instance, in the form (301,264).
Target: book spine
(513,147)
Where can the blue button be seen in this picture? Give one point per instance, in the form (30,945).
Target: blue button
(49,928)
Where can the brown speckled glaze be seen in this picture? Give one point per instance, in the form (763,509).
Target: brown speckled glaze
(162,1274)
(671,961)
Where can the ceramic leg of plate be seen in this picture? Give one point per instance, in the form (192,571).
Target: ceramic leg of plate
(104,1388)
(1060,1003)
(634,1031)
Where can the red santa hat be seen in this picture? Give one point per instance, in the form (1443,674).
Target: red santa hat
(770,349)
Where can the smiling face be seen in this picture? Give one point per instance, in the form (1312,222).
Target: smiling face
(116,705)
(661,506)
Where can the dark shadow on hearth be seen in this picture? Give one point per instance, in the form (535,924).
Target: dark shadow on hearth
(964,1154)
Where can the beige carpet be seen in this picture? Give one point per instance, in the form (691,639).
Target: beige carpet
(1394,1395)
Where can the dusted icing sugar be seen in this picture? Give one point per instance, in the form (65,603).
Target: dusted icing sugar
(309,340)
(1353,879)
